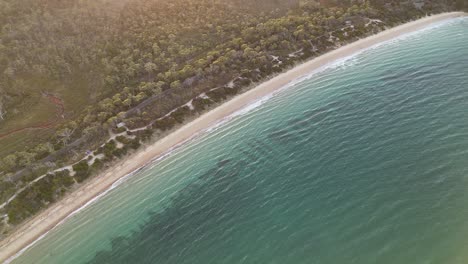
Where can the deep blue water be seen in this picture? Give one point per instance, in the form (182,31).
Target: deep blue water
(363,162)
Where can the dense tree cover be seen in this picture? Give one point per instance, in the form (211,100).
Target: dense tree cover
(137,60)
(42,193)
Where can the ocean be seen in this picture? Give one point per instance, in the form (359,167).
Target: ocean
(365,161)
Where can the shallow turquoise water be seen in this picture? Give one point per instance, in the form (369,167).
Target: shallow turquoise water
(364,162)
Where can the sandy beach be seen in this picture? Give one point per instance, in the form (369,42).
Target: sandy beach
(50,218)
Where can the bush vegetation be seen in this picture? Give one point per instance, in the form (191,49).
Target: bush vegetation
(135,61)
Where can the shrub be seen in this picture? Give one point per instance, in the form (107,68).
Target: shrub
(180,113)
(122,139)
(109,148)
(81,171)
(145,135)
(165,123)
(134,144)
(200,104)
(97,165)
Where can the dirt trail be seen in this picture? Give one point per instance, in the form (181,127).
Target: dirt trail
(60,111)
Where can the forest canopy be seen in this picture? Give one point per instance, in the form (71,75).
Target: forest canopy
(72,73)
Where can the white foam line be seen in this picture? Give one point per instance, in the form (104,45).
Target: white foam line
(248,108)
(353,57)
(9,260)
(332,65)
(96,198)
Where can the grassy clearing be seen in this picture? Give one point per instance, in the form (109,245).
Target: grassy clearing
(36,109)
(20,140)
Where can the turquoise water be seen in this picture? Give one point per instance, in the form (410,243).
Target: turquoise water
(364,162)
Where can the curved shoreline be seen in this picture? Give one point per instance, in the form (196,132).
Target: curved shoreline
(42,223)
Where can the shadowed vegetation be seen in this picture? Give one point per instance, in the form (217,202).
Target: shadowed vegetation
(123,65)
